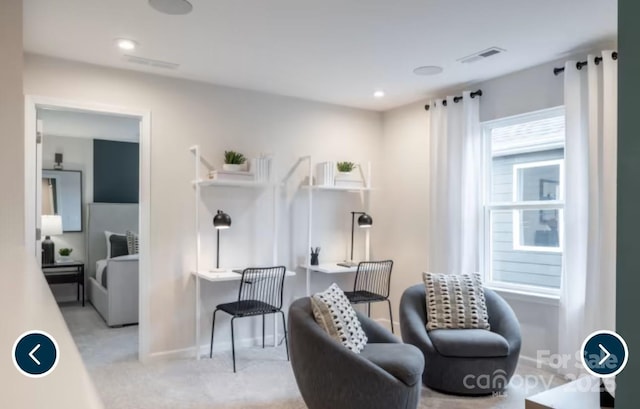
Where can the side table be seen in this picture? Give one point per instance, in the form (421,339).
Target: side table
(71,272)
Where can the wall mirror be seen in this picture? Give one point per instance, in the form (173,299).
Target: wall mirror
(62,195)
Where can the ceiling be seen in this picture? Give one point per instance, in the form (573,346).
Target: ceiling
(336,51)
(81,124)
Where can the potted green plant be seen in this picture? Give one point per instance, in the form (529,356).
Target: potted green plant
(346,177)
(346,167)
(65,254)
(234,161)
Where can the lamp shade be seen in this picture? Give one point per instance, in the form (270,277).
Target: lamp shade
(365,221)
(221,220)
(51,225)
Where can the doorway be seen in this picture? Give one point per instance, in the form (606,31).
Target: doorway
(38,112)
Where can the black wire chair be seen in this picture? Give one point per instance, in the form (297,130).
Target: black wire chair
(260,294)
(372,283)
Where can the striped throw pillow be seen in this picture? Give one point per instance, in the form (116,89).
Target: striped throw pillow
(335,315)
(132,242)
(455,301)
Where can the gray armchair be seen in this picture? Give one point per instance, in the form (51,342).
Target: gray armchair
(463,361)
(385,375)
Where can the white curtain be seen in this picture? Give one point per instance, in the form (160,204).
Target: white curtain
(587,301)
(455,144)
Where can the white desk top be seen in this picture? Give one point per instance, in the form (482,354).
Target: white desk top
(331,268)
(26,303)
(579,394)
(227,275)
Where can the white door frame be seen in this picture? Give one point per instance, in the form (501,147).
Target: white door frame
(31,104)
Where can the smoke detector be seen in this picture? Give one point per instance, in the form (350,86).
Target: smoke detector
(481,55)
(151,63)
(428,70)
(173,7)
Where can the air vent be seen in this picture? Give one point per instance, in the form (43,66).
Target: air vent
(481,55)
(151,63)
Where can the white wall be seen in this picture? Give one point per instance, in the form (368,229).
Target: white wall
(406,176)
(77,155)
(185,113)
(11,125)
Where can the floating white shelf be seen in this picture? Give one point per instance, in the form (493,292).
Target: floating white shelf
(339,188)
(231,183)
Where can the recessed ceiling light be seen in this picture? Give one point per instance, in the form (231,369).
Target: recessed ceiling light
(125,44)
(378,94)
(173,7)
(428,70)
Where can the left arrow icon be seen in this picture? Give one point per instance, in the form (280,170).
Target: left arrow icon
(35,354)
(32,356)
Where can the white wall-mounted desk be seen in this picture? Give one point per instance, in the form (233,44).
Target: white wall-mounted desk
(330,268)
(220,277)
(326,268)
(226,275)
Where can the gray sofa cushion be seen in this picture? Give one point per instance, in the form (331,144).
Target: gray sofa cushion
(469,343)
(400,360)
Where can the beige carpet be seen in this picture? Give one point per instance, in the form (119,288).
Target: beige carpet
(264,379)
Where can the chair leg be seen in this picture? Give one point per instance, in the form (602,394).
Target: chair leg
(369,309)
(213,326)
(390,315)
(262,331)
(233,346)
(286,336)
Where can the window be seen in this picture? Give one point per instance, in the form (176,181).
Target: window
(523,201)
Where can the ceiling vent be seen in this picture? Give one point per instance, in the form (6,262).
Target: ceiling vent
(481,55)
(151,63)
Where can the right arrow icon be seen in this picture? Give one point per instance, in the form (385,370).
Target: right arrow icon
(606,354)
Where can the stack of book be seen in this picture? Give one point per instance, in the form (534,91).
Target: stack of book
(261,167)
(325,173)
(236,176)
(349,180)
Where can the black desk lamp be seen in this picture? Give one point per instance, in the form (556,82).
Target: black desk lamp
(364,221)
(220,221)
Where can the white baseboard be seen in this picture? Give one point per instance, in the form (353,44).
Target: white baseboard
(218,346)
(536,363)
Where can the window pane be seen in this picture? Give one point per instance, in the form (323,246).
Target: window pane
(524,147)
(537,182)
(529,175)
(537,265)
(537,228)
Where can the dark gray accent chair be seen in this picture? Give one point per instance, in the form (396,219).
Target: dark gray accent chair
(385,375)
(463,361)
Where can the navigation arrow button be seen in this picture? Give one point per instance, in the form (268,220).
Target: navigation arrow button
(35,354)
(606,354)
(37,347)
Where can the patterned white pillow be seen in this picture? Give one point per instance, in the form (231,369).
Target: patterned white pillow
(132,242)
(334,313)
(455,301)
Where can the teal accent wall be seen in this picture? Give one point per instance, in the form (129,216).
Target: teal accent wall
(628,270)
(115,171)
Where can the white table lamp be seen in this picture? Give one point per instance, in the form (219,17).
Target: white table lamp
(51,226)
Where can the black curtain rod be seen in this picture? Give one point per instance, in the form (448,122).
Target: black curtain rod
(580,64)
(457,99)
